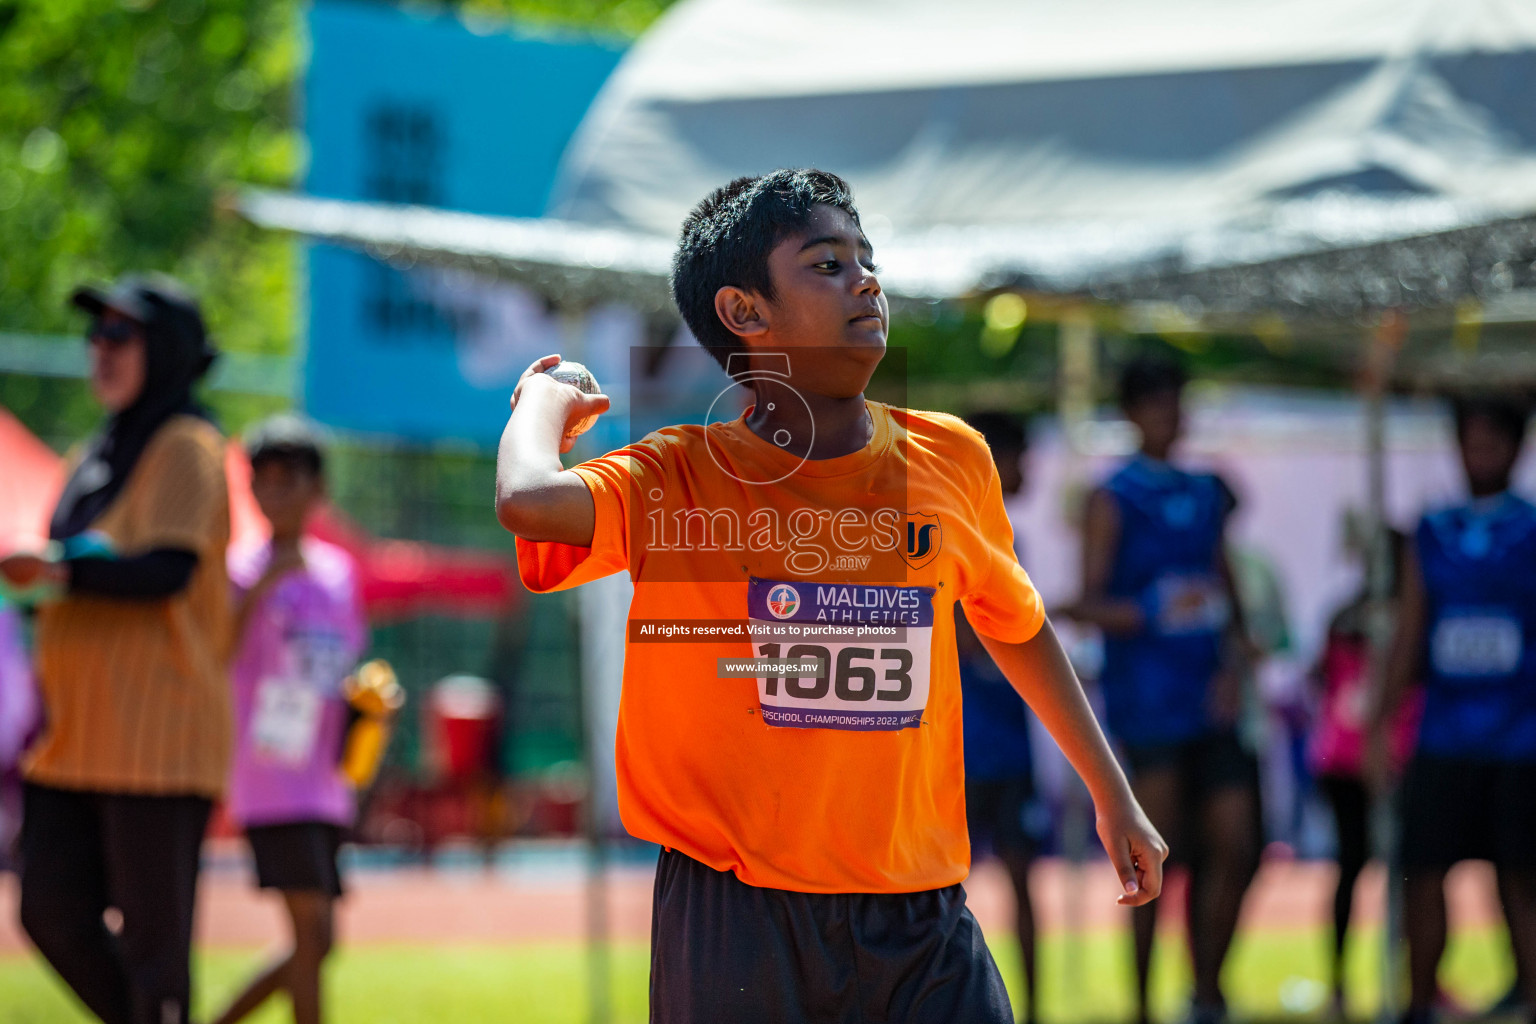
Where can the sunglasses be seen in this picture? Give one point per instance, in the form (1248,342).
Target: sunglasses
(114,334)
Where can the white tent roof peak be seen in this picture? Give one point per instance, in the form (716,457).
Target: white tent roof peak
(1061,145)
(718,49)
(1072,137)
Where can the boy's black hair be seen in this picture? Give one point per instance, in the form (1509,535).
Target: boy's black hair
(286,438)
(726,240)
(1509,414)
(1003,431)
(1149,375)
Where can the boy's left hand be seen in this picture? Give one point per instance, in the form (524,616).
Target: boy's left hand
(1135,849)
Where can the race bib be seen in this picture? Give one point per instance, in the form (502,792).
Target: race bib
(285,721)
(870,646)
(289,703)
(1191,604)
(1480,644)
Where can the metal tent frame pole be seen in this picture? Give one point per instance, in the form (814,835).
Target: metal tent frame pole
(597,928)
(1078,342)
(599,937)
(1383,344)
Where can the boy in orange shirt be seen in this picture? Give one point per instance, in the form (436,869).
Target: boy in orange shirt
(790,725)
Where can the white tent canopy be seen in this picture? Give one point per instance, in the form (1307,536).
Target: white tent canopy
(1060,141)
(1128,148)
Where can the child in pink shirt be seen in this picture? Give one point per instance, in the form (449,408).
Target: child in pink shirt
(300,630)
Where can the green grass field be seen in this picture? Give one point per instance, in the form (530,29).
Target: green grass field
(1271,976)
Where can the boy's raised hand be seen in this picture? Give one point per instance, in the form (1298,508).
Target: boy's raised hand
(577,404)
(1135,849)
(536,498)
(539,365)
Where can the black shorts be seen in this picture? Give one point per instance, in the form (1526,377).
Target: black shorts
(996,814)
(1455,810)
(722,950)
(297,856)
(1205,766)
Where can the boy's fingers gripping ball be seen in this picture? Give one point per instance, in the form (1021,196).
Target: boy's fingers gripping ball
(570,372)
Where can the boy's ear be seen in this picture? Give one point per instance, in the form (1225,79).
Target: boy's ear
(744,313)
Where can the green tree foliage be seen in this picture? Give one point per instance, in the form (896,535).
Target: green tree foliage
(124,122)
(120,124)
(619,17)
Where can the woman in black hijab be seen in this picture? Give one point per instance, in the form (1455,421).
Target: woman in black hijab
(130,663)
(176,355)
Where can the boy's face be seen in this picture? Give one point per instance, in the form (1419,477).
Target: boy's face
(1488,454)
(286,492)
(1159,417)
(827,302)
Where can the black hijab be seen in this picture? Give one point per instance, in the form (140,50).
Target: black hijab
(177,353)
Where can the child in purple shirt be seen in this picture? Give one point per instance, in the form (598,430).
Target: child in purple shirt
(299,629)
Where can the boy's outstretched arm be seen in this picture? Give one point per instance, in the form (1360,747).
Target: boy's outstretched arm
(536,497)
(1040,671)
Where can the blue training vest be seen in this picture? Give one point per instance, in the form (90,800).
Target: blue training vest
(1157,682)
(1479,567)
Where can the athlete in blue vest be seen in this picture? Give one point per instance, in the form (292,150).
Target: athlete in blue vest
(999,764)
(1468,628)
(1157,583)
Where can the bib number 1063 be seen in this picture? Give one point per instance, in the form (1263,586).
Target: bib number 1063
(875,680)
(853,674)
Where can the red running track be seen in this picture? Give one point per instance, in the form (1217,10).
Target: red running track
(505,905)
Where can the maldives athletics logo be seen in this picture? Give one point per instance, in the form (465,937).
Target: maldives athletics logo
(922,537)
(783,601)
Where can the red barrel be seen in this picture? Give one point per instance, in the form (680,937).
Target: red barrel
(464,713)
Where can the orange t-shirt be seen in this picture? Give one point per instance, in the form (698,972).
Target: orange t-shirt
(850,777)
